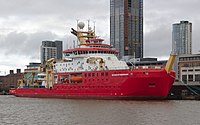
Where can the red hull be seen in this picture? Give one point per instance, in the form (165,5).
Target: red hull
(123,84)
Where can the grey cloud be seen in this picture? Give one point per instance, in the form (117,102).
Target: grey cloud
(52,19)
(158,42)
(52,7)
(23,44)
(51,15)
(159,16)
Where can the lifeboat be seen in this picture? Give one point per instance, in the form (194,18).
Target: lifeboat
(75,78)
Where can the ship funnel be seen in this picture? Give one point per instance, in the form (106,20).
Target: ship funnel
(170,62)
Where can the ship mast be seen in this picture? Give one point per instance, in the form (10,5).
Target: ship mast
(84,37)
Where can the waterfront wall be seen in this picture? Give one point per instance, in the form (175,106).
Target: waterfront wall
(180,90)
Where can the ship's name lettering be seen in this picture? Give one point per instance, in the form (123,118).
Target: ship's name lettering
(119,74)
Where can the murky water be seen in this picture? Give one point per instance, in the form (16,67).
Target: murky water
(33,111)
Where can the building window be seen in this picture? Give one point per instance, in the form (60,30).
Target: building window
(184,78)
(190,77)
(197,77)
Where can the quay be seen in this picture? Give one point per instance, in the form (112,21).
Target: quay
(184,91)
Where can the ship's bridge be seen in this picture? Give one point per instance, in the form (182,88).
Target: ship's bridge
(95,46)
(90,55)
(89,49)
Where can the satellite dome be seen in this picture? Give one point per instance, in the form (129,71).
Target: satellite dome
(90,28)
(81,25)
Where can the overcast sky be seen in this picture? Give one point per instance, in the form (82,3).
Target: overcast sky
(25,23)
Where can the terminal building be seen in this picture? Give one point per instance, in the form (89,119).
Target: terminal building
(189,68)
(187,85)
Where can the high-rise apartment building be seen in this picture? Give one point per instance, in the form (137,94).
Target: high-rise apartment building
(126,27)
(181,41)
(182,38)
(51,49)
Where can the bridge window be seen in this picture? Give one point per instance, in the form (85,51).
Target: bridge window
(67,54)
(75,52)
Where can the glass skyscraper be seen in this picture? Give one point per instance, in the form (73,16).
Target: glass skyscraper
(182,38)
(126,27)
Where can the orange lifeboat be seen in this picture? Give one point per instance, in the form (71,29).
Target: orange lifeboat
(75,78)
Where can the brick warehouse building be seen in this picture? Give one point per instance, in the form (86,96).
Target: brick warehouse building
(10,80)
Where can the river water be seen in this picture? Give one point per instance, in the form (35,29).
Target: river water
(34,111)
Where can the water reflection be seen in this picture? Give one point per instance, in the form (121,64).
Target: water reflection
(15,110)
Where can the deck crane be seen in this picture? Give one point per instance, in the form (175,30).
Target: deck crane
(49,72)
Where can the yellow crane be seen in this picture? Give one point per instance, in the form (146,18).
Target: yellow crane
(49,72)
(170,62)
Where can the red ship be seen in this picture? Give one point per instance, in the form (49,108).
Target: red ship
(92,70)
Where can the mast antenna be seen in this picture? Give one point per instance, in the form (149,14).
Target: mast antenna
(77,23)
(88,25)
(94,26)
